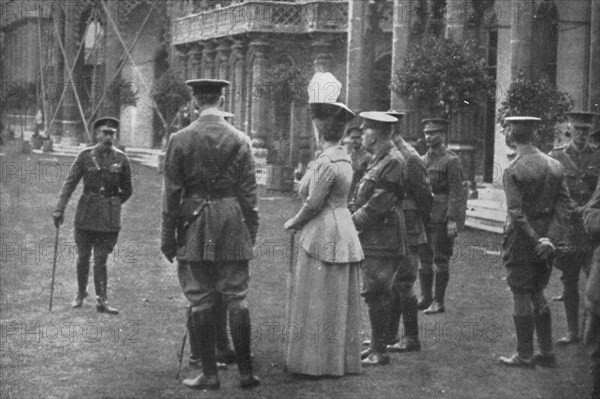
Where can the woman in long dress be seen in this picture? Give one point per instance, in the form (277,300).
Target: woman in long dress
(322,329)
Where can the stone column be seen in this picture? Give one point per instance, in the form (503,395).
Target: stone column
(208,61)
(404,17)
(521,42)
(195,61)
(259,99)
(72,124)
(355,83)
(361,33)
(594,71)
(237,99)
(222,68)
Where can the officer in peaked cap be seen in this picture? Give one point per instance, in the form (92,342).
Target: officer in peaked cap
(209,223)
(378,216)
(445,173)
(538,204)
(416,205)
(581,161)
(358,155)
(106,177)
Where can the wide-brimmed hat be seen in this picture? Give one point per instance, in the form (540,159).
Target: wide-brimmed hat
(326,110)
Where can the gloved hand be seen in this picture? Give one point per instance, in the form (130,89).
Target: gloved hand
(168,253)
(545,249)
(58,218)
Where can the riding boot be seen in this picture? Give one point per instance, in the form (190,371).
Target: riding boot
(396,312)
(195,360)
(410,318)
(225,354)
(379,327)
(571,302)
(426,280)
(543,329)
(239,322)
(102,305)
(203,323)
(83,269)
(524,326)
(441,282)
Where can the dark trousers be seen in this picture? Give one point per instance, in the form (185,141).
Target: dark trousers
(102,244)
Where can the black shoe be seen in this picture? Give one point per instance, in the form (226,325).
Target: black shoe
(249,381)
(545,359)
(559,298)
(423,303)
(202,382)
(407,345)
(435,307)
(376,359)
(78,301)
(516,361)
(103,307)
(365,354)
(569,339)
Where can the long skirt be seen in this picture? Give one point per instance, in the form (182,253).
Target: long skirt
(322,329)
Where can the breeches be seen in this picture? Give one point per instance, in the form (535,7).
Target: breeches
(570,264)
(438,250)
(530,303)
(102,244)
(377,279)
(406,273)
(201,281)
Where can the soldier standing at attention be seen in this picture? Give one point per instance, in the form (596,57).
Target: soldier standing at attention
(445,173)
(592,290)
(538,203)
(106,186)
(378,217)
(581,161)
(359,156)
(209,222)
(416,205)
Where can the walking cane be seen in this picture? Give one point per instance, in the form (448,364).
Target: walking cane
(189,315)
(53,268)
(290,283)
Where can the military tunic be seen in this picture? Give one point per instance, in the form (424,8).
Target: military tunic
(360,161)
(209,166)
(538,204)
(445,173)
(379,219)
(592,295)
(106,186)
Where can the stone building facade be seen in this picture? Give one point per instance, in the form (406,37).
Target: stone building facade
(88,67)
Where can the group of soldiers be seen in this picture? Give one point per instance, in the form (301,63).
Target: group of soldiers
(210,219)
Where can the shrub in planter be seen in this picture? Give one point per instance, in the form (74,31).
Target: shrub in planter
(539,98)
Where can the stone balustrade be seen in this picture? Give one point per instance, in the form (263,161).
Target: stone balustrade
(254,16)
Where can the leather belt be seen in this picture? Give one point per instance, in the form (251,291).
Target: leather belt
(101,193)
(209,196)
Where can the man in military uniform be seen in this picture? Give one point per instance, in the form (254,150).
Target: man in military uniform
(538,203)
(106,186)
(445,173)
(209,222)
(416,204)
(592,292)
(378,217)
(581,162)
(359,156)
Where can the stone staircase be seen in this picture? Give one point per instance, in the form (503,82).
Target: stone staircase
(143,156)
(488,211)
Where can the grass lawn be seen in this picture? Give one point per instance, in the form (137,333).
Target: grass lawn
(83,354)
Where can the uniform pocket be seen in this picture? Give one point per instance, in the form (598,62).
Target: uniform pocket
(82,210)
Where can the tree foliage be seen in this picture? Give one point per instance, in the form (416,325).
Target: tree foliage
(443,75)
(539,98)
(170,93)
